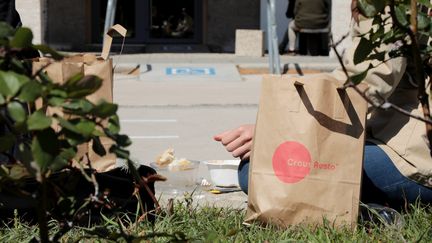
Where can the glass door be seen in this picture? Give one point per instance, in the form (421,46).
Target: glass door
(153,21)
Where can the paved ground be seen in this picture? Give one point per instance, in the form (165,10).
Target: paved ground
(181,100)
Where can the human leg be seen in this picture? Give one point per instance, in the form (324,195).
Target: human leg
(243,175)
(292,36)
(384,184)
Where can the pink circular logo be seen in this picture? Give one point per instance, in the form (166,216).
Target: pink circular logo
(291,162)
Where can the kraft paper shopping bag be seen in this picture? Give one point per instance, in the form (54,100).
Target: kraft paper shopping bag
(307,153)
(86,64)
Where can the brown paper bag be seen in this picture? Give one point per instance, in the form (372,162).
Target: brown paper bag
(87,64)
(307,154)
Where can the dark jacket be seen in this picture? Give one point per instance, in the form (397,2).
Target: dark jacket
(9,14)
(290,10)
(312,14)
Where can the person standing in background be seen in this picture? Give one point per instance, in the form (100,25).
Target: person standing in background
(9,14)
(308,14)
(290,16)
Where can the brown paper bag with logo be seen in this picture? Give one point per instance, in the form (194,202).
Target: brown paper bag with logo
(307,154)
(87,64)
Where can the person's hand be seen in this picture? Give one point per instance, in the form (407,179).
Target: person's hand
(238,141)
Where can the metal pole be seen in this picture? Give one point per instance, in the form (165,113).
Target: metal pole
(110,15)
(269,37)
(272,40)
(275,49)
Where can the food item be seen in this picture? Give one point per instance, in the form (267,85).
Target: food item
(165,158)
(180,164)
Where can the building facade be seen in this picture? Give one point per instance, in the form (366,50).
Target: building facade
(158,25)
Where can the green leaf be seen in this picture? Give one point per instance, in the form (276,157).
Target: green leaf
(423,21)
(56,101)
(426,3)
(363,50)
(97,147)
(82,127)
(59,163)
(121,153)
(122,140)
(6,30)
(30,91)
(80,88)
(17,111)
(86,127)
(58,92)
(45,148)
(2,99)
(370,8)
(74,139)
(47,50)
(38,121)
(69,124)
(359,77)
(68,153)
(380,56)
(104,109)
(18,171)
(6,142)
(23,38)
(114,124)
(24,154)
(401,15)
(377,34)
(80,106)
(11,82)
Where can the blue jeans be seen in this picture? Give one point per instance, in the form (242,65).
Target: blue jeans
(382,183)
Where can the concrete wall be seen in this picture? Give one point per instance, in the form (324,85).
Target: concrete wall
(341,18)
(225,16)
(31,12)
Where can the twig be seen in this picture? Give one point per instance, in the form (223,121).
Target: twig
(418,64)
(142,182)
(384,104)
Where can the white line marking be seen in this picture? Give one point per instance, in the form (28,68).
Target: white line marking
(154,137)
(148,120)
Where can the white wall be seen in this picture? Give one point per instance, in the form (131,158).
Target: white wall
(341,17)
(31,16)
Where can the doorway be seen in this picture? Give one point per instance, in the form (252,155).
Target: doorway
(153,21)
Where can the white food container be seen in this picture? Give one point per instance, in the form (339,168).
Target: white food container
(223,173)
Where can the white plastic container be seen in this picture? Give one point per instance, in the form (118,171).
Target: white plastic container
(223,173)
(179,179)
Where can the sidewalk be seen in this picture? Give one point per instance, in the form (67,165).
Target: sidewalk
(320,63)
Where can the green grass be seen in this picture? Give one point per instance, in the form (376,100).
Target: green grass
(211,224)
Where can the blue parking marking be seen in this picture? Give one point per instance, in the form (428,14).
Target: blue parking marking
(192,71)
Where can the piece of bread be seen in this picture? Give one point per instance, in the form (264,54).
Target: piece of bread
(165,158)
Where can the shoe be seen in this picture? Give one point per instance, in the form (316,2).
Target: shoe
(378,214)
(291,53)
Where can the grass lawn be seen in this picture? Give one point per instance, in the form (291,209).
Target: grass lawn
(211,224)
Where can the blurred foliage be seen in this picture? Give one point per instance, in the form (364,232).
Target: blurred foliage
(35,143)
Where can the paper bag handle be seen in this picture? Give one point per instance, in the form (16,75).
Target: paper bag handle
(340,102)
(109,37)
